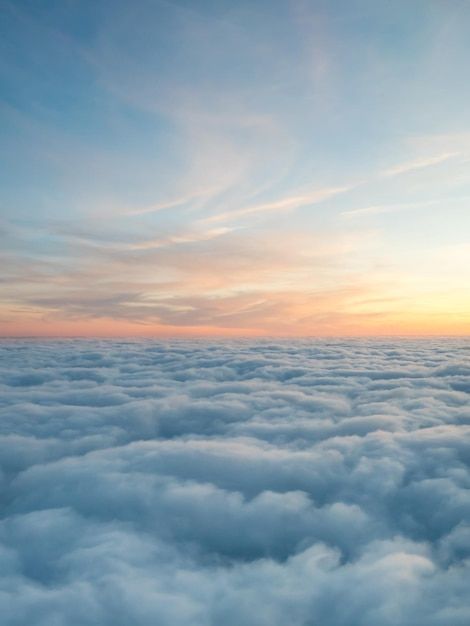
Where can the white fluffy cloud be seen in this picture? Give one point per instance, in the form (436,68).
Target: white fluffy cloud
(238,483)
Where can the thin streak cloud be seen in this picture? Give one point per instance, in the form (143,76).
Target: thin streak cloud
(419,164)
(284,205)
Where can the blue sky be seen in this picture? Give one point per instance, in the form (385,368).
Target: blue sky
(248,167)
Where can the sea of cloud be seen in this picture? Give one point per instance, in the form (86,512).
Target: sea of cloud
(235,483)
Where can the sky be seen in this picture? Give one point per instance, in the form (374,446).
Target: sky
(234,168)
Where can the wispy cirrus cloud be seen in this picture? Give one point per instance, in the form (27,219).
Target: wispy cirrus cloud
(287,204)
(388,208)
(418,164)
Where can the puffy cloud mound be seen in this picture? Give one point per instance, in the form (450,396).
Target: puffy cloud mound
(261,483)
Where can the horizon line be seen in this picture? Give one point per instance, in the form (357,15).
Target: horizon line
(236,337)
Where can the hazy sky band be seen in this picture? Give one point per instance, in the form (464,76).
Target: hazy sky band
(248,168)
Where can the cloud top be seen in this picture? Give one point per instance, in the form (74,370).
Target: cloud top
(251,482)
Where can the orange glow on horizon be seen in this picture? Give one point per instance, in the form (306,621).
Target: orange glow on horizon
(109,328)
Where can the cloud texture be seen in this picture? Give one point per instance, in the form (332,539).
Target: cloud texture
(248,483)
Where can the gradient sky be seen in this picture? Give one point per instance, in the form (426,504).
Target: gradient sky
(235,168)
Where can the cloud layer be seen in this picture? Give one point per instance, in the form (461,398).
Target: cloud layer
(237,483)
